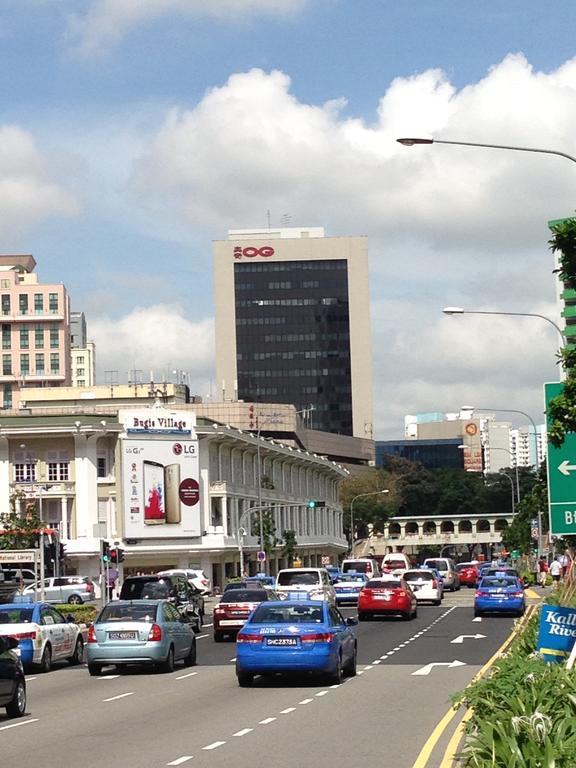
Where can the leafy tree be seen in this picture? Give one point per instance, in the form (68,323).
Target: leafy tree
(271,541)
(20,527)
(562,409)
(518,535)
(370,510)
(289,545)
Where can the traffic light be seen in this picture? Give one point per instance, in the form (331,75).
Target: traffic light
(120,554)
(116,555)
(105,550)
(62,552)
(314,503)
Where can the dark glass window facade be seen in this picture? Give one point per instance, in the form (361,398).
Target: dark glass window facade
(293,338)
(432,454)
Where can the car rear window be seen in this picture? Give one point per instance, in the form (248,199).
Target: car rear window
(440,565)
(145,612)
(288,613)
(358,567)
(383,584)
(140,589)
(245,596)
(391,564)
(15,616)
(293,578)
(498,581)
(355,578)
(418,576)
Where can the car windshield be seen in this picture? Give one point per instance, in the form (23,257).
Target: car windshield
(15,615)
(392,564)
(288,614)
(440,565)
(236,585)
(498,581)
(145,612)
(245,596)
(292,578)
(354,578)
(140,589)
(418,576)
(358,567)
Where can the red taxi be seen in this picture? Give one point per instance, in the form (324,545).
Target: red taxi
(386,597)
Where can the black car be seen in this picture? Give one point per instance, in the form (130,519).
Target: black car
(12,680)
(174,588)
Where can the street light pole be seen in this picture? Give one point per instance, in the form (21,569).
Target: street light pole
(370,493)
(461,311)
(503,474)
(411,142)
(497,448)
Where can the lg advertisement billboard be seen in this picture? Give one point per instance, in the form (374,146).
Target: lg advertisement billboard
(160,475)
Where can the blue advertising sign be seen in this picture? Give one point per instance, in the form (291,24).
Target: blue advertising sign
(557,633)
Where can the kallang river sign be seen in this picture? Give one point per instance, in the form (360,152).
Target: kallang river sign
(557,633)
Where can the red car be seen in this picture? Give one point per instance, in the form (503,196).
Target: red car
(235,606)
(468,573)
(386,596)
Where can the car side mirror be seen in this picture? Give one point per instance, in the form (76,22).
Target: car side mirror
(351,621)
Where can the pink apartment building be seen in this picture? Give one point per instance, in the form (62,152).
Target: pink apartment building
(35,330)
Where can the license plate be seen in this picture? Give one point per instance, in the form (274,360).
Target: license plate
(232,622)
(283,641)
(121,635)
(382,597)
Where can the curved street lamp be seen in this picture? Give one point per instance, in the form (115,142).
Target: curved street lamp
(358,496)
(410,142)
(461,311)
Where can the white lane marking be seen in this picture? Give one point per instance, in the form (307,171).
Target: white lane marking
(183,677)
(30,678)
(108,677)
(305,701)
(234,659)
(17,725)
(288,710)
(120,696)
(243,732)
(377,661)
(207,625)
(267,720)
(199,637)
(368,666)
(336,685)
(478,618)
(397,648)
(321,693)
(214,745)
(180,760)
(360,672)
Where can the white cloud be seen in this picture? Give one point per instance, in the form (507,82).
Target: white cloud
(158,339)
(106,22)
(28,193)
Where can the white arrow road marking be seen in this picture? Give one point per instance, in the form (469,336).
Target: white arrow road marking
(429,667)
(460,639)
(478,618)
(566,467)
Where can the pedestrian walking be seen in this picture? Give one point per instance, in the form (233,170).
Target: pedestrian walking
(555,571)
(542,571)
(111,579)
(564,561)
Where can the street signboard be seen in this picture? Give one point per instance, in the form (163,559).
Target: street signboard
(534,529)
(557,632)
(561,467)
(261,556)
(18,555)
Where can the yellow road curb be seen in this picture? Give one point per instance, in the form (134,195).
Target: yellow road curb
(434,738)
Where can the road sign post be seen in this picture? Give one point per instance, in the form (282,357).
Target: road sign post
(561,468)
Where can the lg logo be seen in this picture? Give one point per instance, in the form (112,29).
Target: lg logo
(250,252)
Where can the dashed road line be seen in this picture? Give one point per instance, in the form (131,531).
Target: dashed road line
(243,732)
(108,677)
(267,720)
(18,724)
(183,677)
(288,710)
(214,745)
(199,637)
(321,693)
(305,701)
(120,696)
(180,760)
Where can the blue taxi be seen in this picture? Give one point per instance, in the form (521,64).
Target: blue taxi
(296,637)
(499,593)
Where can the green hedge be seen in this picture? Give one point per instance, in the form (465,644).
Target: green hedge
(524,712)
(84,614)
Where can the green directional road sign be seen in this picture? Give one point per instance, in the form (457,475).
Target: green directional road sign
(561,477)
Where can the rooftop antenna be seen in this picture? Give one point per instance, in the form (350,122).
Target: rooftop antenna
(285,219)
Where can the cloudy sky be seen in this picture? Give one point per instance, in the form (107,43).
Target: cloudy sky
(133,133)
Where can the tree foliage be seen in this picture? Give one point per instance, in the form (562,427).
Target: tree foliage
(20,526)
(289,545)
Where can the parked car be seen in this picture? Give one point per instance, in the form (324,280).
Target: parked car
(447,569)
(150,632)
(468,573)
(385,597)
(174,588)
(347,587)
(288,637)
(305,584)
(194,577)
(234,608)
(12,679)
(426,587)
(500,594)
(45,636)
(64,589)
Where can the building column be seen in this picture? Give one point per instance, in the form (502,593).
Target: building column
(4,476)
(65,533)
(86,482)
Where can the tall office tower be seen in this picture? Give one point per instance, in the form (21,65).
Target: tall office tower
(35,329)
(293,324)
(82,353)
(78,336)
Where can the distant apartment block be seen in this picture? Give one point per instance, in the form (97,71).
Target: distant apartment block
(35,329)
(83,365)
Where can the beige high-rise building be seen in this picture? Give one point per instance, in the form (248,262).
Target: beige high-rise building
(293,324)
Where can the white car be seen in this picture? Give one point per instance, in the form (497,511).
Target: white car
(193,576)
(44,635)
(426,587)
(305,584)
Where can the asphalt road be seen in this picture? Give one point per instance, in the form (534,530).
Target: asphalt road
(199,716)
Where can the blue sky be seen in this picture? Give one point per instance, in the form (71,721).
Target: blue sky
(132,134)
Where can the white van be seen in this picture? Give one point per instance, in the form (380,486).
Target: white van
(305,584)
(361,565)
(396,563)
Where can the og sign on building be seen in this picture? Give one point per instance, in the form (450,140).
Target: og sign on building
(160,474)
